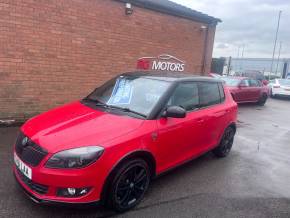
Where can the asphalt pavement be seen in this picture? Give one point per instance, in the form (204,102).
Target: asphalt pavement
(253,181)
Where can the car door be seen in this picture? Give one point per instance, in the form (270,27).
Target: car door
(242,94)
(255,90)
(212,103)
(180,138)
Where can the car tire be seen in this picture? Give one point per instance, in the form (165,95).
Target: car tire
(263,99)
(226,143)
(128,186)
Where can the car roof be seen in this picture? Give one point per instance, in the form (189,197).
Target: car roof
(171,76)
(253,71)
(237,77)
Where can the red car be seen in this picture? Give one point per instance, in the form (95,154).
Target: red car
(107,147)
(245,89)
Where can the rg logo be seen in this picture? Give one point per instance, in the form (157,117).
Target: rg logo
(143,64)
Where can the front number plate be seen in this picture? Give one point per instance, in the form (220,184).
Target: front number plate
(26,170)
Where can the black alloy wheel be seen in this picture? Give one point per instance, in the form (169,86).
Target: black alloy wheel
(226,143)
(129,185)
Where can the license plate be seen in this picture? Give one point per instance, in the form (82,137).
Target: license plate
(26,170)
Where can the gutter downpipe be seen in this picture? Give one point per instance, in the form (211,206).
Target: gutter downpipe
(205,47)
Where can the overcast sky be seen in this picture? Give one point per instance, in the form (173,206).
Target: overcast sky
(247,22)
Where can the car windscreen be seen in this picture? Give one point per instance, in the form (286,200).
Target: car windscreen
(138,94)
(284,82)
(232,81)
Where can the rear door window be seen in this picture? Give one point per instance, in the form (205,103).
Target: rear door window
(254,83)
(245,82)
(209,94)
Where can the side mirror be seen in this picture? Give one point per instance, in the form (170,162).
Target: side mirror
(175,112)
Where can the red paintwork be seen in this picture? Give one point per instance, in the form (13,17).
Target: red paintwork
(247,94)
(214,75)
(75,125)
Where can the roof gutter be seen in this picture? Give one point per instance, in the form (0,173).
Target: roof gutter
(194,15)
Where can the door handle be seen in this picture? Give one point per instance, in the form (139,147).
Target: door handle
(221,113)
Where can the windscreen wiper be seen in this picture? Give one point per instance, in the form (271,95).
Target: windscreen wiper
(107,106)
(127,110)
(97,102)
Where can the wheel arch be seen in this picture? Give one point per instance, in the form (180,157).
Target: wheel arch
(143,154)
(233,125)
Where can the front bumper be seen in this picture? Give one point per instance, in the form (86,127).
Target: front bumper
(53,202)
(32,188)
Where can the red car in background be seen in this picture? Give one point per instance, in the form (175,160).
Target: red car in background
(253,74)
(245,90)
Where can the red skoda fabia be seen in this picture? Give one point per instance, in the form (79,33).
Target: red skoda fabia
(110,145)
(244,90)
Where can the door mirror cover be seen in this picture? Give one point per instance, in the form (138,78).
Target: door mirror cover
(175,112)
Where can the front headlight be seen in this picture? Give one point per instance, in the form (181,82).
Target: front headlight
(75,158)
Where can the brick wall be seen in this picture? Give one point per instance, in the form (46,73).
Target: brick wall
(56,51)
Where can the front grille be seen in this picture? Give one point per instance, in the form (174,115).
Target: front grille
(30,153)
(40,189)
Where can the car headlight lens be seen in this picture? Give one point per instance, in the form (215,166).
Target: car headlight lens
(75,158)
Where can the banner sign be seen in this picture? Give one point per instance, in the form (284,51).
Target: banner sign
(163,62)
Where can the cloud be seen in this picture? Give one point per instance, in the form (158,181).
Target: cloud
(222,45)
(247,22)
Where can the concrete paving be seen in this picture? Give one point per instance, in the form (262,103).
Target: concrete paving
(254,181)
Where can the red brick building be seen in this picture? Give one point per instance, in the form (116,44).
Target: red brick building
(57,51)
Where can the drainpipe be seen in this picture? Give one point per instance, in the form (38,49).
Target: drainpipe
(205,46)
